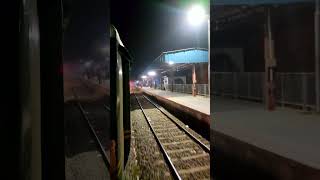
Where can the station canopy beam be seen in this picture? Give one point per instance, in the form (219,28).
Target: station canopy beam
(256,2)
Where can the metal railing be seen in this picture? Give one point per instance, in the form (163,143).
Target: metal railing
(202,89)
(291,88)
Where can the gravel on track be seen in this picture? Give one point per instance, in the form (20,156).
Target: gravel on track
(190,160)
(145,159)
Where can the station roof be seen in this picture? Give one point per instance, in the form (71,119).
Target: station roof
(256,2)
(178,59)
(190,55)
(231,14)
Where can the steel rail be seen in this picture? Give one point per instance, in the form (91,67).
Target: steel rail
(202,145)
(172,168)
(84,114)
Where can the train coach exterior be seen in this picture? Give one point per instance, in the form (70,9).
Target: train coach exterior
(120,104)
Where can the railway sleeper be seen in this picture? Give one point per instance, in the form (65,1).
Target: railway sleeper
(176,136)
(189,144)
(174,139)
(174,143)
(171,133)
(166,129)
(202,157)
(192,170)
(188,150)
(159,126)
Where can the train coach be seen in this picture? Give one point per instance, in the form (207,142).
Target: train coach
(120,103)
(38,128)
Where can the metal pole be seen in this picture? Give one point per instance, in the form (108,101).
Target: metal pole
(317,55)
(209,72)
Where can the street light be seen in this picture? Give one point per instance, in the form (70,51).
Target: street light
(151,73)
(196,15)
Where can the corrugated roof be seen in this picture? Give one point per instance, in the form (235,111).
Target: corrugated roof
(257,2)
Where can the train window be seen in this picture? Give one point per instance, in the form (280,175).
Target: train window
(168,76)
(87,90)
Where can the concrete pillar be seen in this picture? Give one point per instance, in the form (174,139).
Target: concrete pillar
(270,64)
(172,80)
(194,80)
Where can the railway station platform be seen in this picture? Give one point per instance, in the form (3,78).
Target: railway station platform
(284,142)
(199,103)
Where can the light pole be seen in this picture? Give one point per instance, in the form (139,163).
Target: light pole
(196,15)
(152,74)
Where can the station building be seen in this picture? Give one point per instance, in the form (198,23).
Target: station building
(265,51)
(266,46)
(184,70)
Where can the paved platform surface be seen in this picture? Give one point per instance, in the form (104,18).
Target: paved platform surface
(287,132)
(199,103)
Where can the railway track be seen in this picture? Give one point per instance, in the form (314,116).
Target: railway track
(97,134)
(186,156)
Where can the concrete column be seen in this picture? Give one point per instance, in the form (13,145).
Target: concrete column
(172,80)
(194,80)
(270,64)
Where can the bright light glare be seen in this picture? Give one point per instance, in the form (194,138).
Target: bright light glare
(196,15)
(171,62)
(137,82)
(151,73)
(143,77)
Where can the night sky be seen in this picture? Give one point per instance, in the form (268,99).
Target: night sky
(148,28)
(86,36)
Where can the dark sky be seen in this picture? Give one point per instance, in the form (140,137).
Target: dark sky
(148,28)
(87,34)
